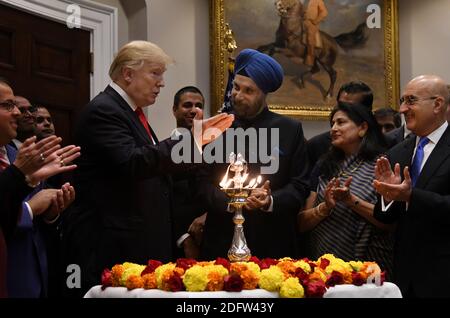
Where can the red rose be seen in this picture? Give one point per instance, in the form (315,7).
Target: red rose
(186,263)
(358,279)
(151,266)
(233,283)
(106,278)
(222,261)
(267,262)
(312,265)
(324,263)
(335,278)
(301,275)
(255,260)
(175,283)
(315,289)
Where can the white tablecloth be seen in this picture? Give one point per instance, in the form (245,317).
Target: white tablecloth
(387,290)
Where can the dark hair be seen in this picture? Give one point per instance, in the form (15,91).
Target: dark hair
(184,90)
(358,87)
(387,111)
(372,145)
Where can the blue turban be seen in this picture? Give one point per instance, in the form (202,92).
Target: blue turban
(261,68)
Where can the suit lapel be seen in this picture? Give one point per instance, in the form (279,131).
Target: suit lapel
(129,112)
(437,157)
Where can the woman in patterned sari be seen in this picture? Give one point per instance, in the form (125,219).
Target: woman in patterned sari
(339,215)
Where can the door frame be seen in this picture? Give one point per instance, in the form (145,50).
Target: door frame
(99,19)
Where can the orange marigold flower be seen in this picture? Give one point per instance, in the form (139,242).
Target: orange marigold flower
(250,278)
(238,268)
(134,281)
(149,281)
(215,282)
(288,268)
(116,274)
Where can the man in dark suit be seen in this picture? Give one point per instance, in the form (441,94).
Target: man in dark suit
(272,139)
(124,202)
(351,92)
(419,204)
(187,102)
(20,174)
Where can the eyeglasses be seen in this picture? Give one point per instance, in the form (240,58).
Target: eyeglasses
(8,105)
(23,109)
(411,99)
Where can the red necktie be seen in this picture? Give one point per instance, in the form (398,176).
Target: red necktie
(3,161)
(144,122)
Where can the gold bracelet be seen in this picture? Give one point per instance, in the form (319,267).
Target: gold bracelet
(320,212)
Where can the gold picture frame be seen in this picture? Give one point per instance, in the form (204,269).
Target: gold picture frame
(242,16)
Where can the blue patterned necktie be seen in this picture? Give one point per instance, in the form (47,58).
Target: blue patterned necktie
(417,161)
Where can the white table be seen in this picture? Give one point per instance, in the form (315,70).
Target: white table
(387,290)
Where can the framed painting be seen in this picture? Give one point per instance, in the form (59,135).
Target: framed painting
(357,40)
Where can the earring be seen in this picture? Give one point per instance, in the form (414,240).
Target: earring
(361,134)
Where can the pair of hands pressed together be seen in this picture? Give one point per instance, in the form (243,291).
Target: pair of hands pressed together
(259,198)
(389,183)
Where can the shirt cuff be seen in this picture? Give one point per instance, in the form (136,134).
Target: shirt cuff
(182,238)
(52,221)
(270,209)
(30,212)
(384,208)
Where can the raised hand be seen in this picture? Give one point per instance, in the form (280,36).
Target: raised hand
(207,130)
(384,173)
(57,162)
(395,191)
(342,193)
(32,156)
(330,201)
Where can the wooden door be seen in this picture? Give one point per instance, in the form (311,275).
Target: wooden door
(48,63)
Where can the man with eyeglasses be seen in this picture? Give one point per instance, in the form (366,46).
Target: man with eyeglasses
(414,187)
(25,122)
(43,123)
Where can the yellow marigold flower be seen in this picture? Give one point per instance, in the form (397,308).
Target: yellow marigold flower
(250,279)
(116,274)
(215,282)
(291,288)
(127,265)
(254,268)
(285,259)
(134,281)
(130,269)
(195,278)
(288,268)
(356,265)
(160,271)
(303,265)
(149,281)
(271,278)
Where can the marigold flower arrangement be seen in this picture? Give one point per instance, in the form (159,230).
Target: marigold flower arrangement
(289,277)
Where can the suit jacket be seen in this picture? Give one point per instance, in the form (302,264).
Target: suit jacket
(317,146)
(27,257)
(422,232)
(395,136)
(13,190)
(122,211)
(268,234)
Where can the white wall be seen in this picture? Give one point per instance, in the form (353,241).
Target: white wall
(122,20)
(181,28)
(424,39)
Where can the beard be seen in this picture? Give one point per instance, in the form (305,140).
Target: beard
(246,110)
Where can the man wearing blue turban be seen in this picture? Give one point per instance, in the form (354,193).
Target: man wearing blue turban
(269,216)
